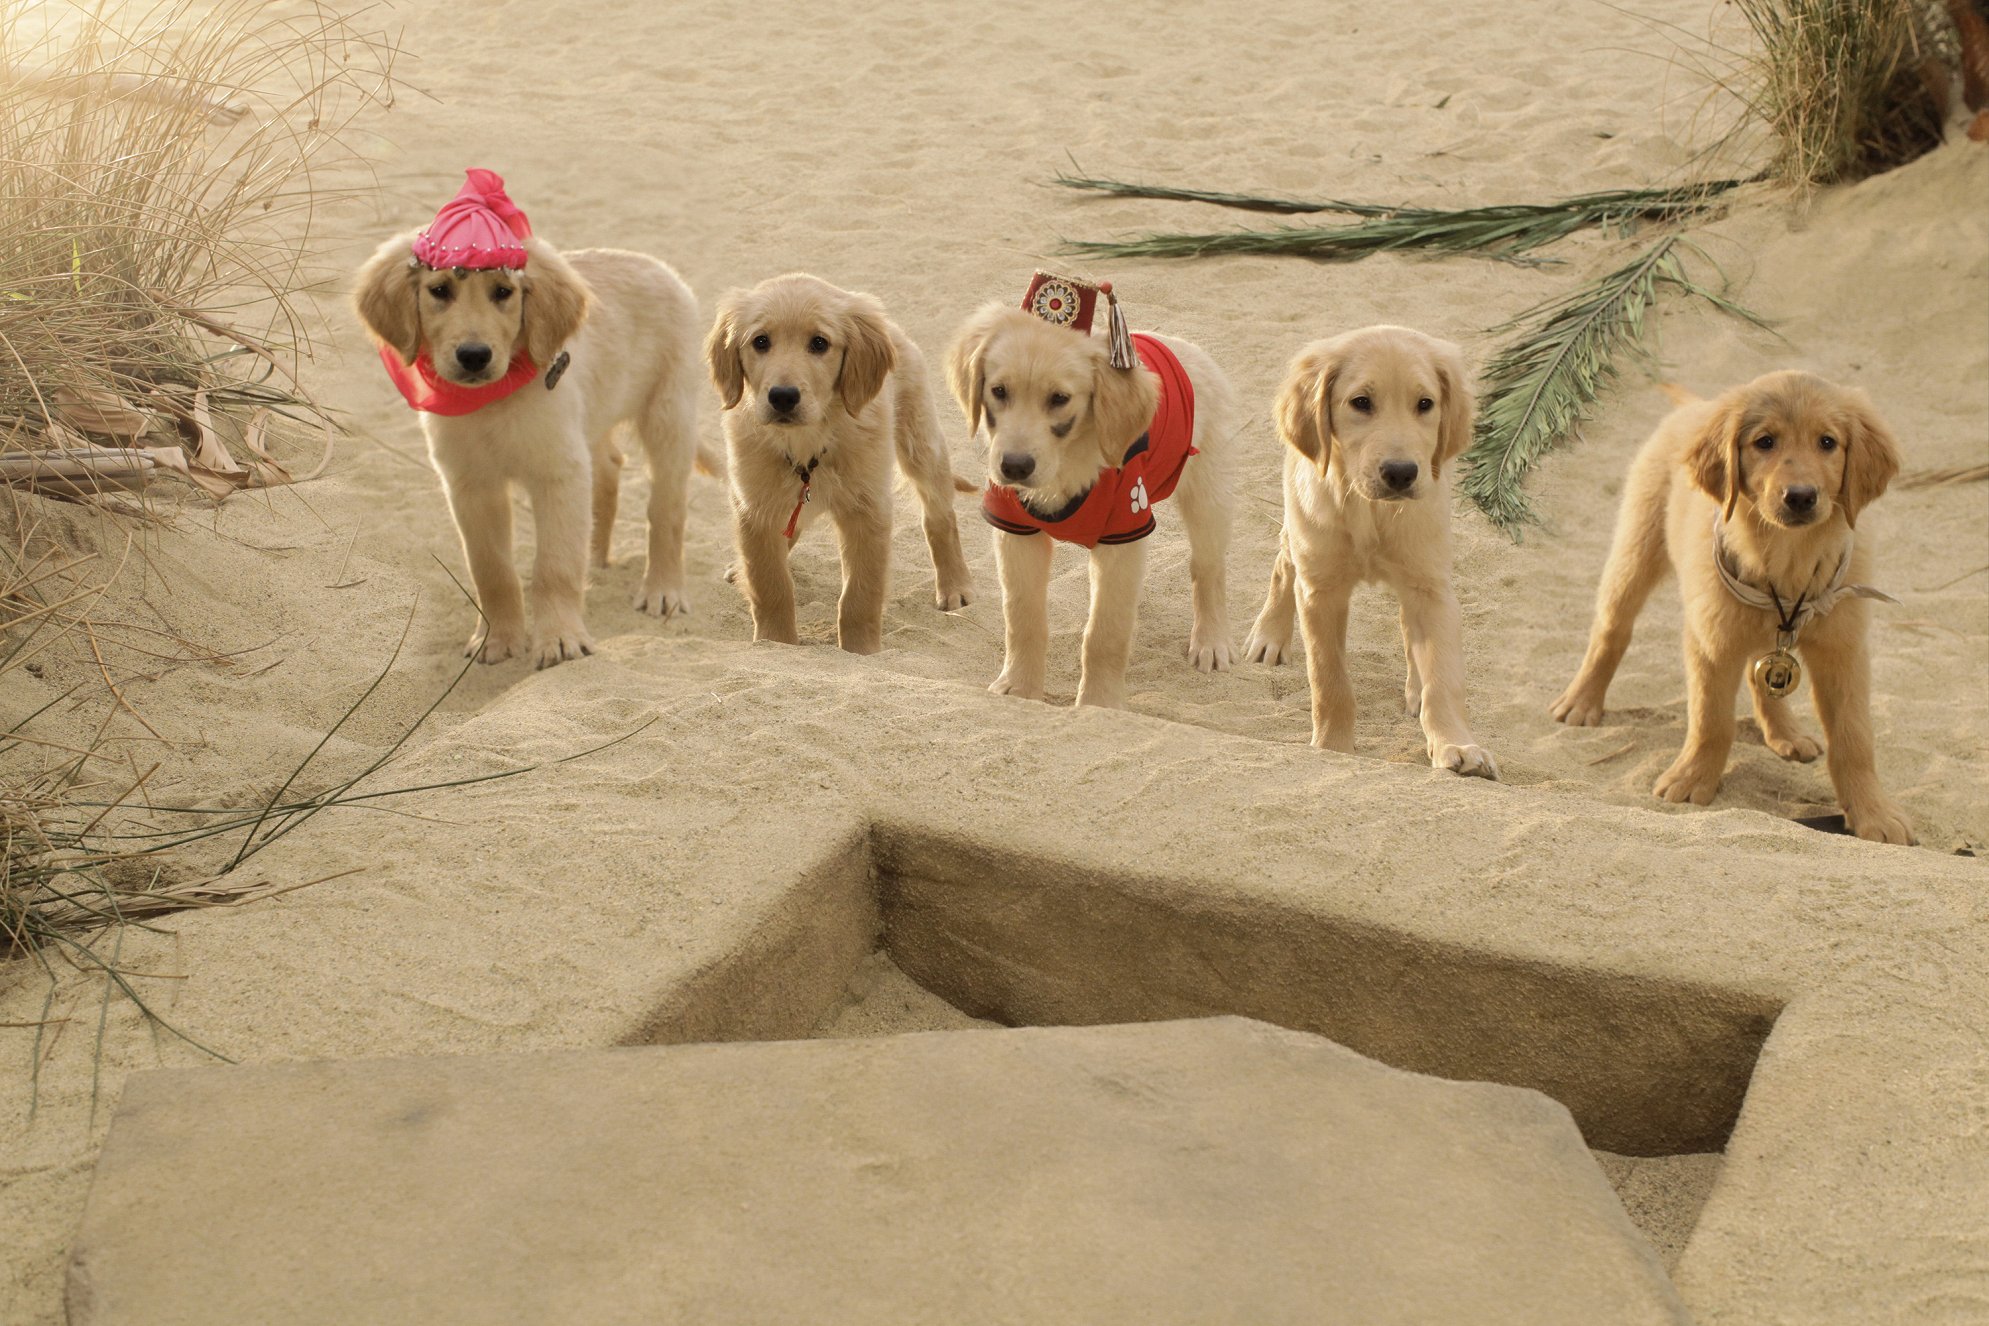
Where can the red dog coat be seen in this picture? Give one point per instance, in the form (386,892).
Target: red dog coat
(1118,507)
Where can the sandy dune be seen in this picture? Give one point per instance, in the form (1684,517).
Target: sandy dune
(903,150)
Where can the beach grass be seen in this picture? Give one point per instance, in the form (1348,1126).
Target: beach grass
(161,183)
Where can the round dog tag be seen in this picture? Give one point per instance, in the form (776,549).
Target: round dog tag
(1778,673)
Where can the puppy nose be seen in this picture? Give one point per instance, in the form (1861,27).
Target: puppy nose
(474,358)
(1017,468)
(1799,498)
(1398,474)
(783,399)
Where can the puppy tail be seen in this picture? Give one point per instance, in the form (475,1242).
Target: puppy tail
(1677,394)
(961,485)
(710,461)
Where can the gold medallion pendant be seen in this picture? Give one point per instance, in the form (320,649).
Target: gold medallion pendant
(1777,673)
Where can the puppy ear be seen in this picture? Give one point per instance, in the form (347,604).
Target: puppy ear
(721,351)
(1459,405)
(1305,403)
(556,302)
(1122,404)
(385,297)
(966,372)
(1714,456)
(867,354)
(1871,459)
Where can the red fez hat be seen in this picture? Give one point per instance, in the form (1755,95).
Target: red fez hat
(1065,301)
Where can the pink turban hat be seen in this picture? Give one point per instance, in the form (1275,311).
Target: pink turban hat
(480,227)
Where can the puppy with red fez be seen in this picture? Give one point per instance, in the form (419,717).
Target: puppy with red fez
(1087,435)
(523,363)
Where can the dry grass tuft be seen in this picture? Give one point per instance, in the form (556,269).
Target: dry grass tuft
(87,851)
(161,169)
(1849,88)
(157,199)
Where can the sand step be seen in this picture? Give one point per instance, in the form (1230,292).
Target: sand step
(1220,1170)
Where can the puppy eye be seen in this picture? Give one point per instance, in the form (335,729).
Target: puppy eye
(1363,404)
(500,293)
(1425,405)
(1827,442)
(1764,444)
(818,345)
(439,291)
(999,393)
(1059,399)
(763,343)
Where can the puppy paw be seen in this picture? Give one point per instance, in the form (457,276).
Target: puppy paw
(1261,648)
(1010,684)
(1880,821)
(559,646)
(1099,697)
(1469,761)
(732,573)
(1686,781)
(658,601)
(953,598)
(1334,742)
(496,645)
(1211,654)
(1577,708)
(1799,748)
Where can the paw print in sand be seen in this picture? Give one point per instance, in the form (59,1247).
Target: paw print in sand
(1139,496)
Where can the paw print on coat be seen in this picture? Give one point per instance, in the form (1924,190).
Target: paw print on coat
(1139,496)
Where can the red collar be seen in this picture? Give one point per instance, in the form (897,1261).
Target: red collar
(424,390)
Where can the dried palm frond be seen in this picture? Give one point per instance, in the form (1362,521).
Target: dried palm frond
(1971,30)
(1506,230)
(1943,478)
(158,190)
(1248,202)
(1537,388)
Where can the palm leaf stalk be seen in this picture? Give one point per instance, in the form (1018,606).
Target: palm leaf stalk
(1508,230)
(1537,389)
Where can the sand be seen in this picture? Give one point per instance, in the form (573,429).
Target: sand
(902,150)
(1663,1194)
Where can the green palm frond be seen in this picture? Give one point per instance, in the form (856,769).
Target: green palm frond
(1507,230)
(1537,389)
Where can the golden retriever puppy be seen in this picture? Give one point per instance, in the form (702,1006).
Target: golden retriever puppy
(1768,479)
(1068,433)
(821,392)
(1370,420)
(609,339)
